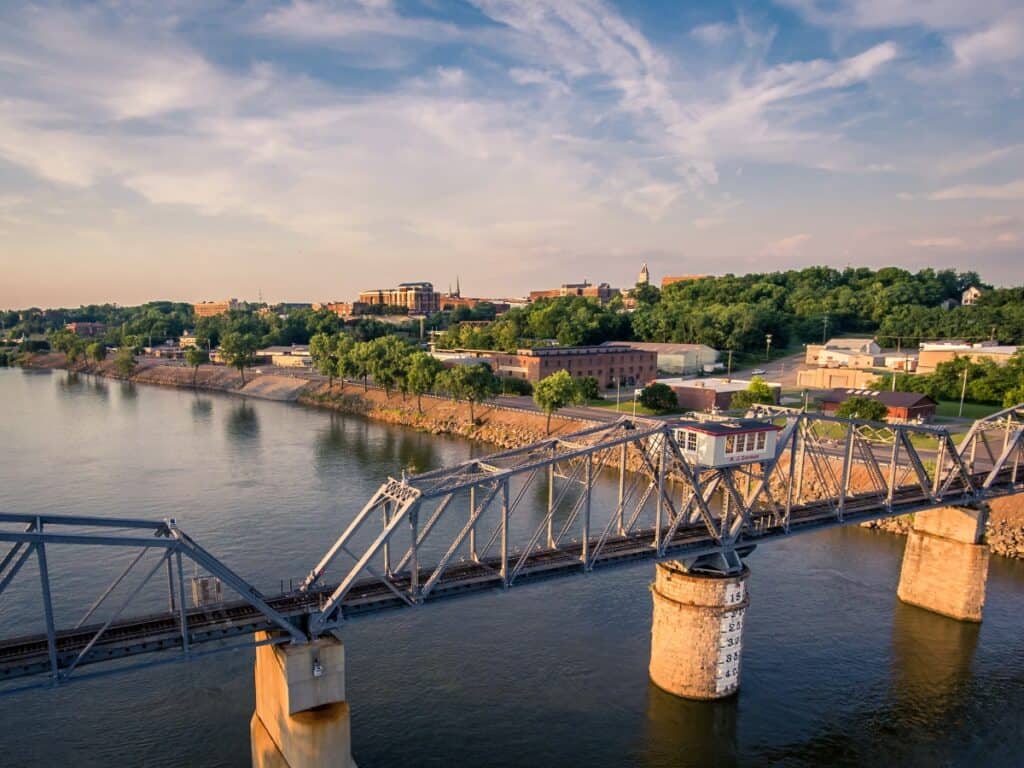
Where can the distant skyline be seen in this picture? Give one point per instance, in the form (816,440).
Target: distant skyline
(199,150)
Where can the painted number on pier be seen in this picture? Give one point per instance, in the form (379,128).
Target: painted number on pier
(730,646)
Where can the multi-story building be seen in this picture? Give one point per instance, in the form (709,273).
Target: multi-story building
(415,298)
(603,292)
(853,353)
(87,329)
(214,308)
(610,364)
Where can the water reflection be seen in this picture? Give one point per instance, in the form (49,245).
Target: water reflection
(932,659)
(345,439)
(129,392)
(243,424)
(683,733)
(70,381)
(202,409)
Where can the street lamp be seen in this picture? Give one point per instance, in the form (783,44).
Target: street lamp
(767,345)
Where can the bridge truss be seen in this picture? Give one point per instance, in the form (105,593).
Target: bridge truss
(606,494)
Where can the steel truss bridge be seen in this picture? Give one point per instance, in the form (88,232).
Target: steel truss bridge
(607,494)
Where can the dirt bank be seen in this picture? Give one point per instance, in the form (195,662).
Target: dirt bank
(505,427)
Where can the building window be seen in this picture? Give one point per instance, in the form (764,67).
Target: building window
(691,441)
(760,441)
(730,443)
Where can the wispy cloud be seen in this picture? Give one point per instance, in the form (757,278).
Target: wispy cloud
(1012,190)
(787,246)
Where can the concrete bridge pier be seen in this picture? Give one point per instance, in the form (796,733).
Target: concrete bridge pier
(302,717)
(697,630)
(945,565)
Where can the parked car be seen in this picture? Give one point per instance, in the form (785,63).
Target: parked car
(758,372)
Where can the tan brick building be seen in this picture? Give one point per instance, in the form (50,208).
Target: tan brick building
(214,308)
(603,292)
(415,298)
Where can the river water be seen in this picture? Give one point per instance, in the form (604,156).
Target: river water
(835,671)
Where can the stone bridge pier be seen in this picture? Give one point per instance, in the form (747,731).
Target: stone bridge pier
(697,630)
(945,565)
(302,717)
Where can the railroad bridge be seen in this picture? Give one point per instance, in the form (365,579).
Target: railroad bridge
(696,497)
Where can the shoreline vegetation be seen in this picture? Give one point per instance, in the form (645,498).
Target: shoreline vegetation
(495,424)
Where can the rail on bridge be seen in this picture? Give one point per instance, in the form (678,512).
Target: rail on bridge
(567,504)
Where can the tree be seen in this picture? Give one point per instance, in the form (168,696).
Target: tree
(239,350)
(472,383)
(323,349)
(387,361)
(422,375)
(196,356)
(356,362)
(97,351)
(756,392)
(865,408)
(556,391)
(659,397)
(124,361)
(588,388)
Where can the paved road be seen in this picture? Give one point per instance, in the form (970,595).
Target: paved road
(782,371)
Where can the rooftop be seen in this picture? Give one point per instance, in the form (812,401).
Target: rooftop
(666,348)
(892,399)
(718,384)
(730,427)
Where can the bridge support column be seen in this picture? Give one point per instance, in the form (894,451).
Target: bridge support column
(945,565)
(697,631)
(302,717)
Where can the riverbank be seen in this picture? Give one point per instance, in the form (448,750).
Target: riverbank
(1004,532)
(494,424)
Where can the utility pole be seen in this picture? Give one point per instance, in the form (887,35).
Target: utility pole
(963,392)
(824,330)
(728,371)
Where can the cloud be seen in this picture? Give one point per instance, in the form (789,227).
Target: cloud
(998,43)
(713,34)
(1012,190)
(937,242)
(786,247)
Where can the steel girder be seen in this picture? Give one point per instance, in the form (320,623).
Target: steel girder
(41,536)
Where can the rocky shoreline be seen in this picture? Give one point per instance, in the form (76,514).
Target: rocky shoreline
(1004,535)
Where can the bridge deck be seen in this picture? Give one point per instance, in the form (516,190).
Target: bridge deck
(28,655)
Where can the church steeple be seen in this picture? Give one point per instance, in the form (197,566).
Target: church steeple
(458,290)
(644,277)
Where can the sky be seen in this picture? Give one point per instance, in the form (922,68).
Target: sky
(305,150)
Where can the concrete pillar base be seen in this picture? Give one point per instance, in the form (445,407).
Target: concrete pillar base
(944,565)
(301,718)
(697,632)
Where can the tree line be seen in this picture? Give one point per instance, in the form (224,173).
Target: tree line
(736,312)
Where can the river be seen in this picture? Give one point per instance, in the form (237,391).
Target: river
(835,670)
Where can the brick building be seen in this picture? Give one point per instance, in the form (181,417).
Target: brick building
(415,298)
(87,329)
(609,364)
(902,406)
(711,393)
